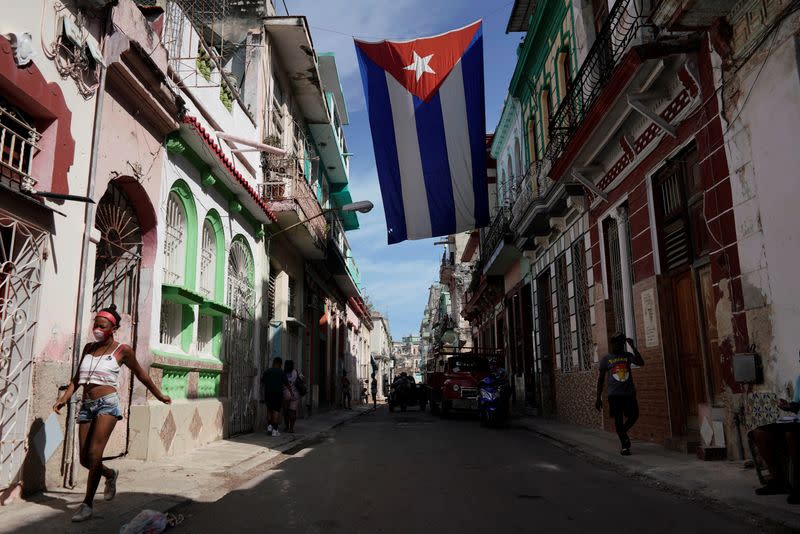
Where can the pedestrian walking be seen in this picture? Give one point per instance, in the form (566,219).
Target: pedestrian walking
(274,383)
(291,395)
(374,391)
(346,394)
(98,373)
(622,403)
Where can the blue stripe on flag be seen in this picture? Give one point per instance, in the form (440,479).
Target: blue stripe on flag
(376,93)
(435,165)
(472,67)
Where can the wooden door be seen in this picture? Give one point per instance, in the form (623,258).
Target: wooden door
(688,345)
(547,347)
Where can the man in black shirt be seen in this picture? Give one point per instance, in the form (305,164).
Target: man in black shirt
(622,404)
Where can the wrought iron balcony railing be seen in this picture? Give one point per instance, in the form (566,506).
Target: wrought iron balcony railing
(499,229)
(18,146)
(284,184)
(616,36)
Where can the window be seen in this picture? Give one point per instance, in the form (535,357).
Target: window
(533,143)
(208,261)
(273,278)
(292,310)
(208,264)
(175,241)
(546,112)
(564,329)
(565,78)
(582,305)
(618,269)
(277,117)
(174,268)
(18,138)
(517,160)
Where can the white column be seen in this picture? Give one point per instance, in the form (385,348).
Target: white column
(620,215)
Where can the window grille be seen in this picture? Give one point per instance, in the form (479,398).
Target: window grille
(582,304)
(171,315)
(205,334)
(18,146)
(271,295)
(564,331)
(615,265)
(292,296)
(208,261)
(174,242)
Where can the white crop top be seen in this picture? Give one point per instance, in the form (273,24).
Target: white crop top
(102,370)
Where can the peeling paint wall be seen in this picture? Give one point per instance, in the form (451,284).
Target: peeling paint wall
(761,103)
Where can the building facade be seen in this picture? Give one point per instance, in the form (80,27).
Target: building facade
(219,178)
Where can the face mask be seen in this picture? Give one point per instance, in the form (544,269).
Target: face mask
(99,335)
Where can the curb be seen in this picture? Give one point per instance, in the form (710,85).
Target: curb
(742,508)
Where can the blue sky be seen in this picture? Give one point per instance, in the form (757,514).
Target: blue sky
(396,278)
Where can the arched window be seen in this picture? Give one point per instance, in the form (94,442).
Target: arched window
(509,180)
(545,109)
(175,241)
(502,185)
(179,268)
(517,159)
(208,271)
(175,233)
(208,261)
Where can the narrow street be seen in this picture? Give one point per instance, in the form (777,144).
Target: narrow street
(414,472)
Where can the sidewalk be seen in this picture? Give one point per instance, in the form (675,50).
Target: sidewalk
(203,475)
(723,482)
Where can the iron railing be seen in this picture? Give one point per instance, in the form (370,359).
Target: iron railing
(614,39)
(283,183)
(18,146)
(499,229)
(338,237)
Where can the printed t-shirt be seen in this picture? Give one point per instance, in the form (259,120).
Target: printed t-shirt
(618,368)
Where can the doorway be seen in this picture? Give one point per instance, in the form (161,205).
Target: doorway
(547,347)
(117,268)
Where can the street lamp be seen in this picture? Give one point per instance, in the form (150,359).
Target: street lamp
(362,206)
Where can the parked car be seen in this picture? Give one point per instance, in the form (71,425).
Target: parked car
(452,383)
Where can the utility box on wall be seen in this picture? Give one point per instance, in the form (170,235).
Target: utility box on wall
(747,368)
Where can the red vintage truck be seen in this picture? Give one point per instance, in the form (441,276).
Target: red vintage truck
(452,378)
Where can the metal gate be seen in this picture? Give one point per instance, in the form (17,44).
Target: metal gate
(239,329)
(21,256)
(116,281)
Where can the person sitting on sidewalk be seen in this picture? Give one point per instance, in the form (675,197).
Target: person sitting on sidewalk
(622,403)
(778,445)
(274,382)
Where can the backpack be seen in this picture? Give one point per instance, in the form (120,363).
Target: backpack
(300,384)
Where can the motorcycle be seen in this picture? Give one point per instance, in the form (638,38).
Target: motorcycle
(494,394)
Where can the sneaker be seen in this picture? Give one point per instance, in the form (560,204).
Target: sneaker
(625,452)
(275,433)
(84,512)
(269,429)
(111,486)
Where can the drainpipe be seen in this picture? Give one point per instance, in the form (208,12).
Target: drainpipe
(68,469)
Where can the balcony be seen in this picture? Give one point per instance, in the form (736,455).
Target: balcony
(292,199)
(497,248)
(340,261)
(619,33)
(18,146)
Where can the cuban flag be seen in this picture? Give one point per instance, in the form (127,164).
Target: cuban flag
(426,112)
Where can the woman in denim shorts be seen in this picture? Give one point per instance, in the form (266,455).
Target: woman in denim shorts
(98,373)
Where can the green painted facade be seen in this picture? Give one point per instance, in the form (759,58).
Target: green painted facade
(539,73)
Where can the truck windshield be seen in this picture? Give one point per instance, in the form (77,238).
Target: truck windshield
(468,365)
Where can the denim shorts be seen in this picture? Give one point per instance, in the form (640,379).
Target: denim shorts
(105,405)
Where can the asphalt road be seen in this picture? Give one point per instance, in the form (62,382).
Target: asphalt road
(412,472)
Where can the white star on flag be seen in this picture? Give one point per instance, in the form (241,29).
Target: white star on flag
(420,65)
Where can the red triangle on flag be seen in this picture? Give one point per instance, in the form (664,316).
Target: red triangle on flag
(421,65)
